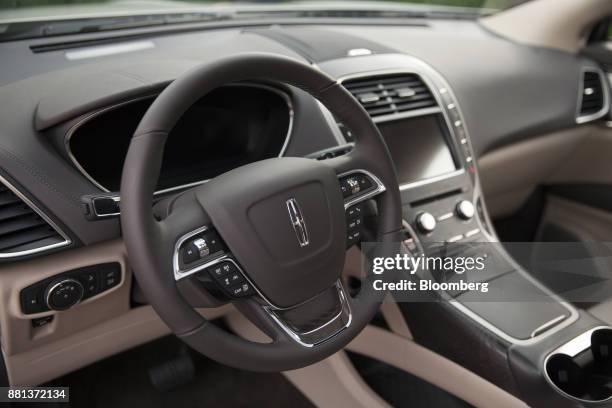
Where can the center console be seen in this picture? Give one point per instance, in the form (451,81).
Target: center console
(420,120)
(516,344)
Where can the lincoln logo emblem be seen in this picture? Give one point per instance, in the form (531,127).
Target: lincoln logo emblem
(297,220)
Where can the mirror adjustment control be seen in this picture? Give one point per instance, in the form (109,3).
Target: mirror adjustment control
(63,294)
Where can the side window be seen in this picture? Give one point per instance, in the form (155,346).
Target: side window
(602,32)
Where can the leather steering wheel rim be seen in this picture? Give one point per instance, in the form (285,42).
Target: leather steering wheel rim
(148,240)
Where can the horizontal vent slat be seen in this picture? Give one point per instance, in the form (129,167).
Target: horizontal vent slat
(7,198)
(416,105)
(391,94)
(22,223)
(394,99)
(14,211)
(380,85)
(26,237)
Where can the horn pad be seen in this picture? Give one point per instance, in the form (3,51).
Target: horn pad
(283,220)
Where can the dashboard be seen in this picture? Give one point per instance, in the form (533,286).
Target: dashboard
(58,94)
(66,124)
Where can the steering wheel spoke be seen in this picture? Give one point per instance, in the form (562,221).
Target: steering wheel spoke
(307,324)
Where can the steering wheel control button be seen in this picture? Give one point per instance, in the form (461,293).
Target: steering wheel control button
(353,225)
(355,184)
(232,279)
(229,277)
(200,246)
(242,290)
(190,253)
(64,294)
(353,212)
(465,209)
(222,269)
(345,189)
(364,182)
(425,222)
(353,237)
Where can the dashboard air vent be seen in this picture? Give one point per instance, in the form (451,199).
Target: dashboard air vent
(23,230)
(593,98)
(388,96)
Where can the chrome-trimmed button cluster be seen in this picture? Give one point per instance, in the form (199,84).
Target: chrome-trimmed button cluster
(230,278)
(359,185)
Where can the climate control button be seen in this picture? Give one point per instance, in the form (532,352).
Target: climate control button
(465,209)
(425,222)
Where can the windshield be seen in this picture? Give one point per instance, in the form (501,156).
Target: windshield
(32,18)
(54,7)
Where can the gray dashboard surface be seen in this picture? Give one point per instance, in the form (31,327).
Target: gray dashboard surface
(48,97)
(506,92)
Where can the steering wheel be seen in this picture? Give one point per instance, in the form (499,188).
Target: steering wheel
(278,226)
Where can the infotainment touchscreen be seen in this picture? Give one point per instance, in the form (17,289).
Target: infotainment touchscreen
(418,147)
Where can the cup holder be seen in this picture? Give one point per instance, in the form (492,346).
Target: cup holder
(582,368)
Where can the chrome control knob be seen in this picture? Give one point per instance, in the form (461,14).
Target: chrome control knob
(465,209)
(425,222)
(63,294)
